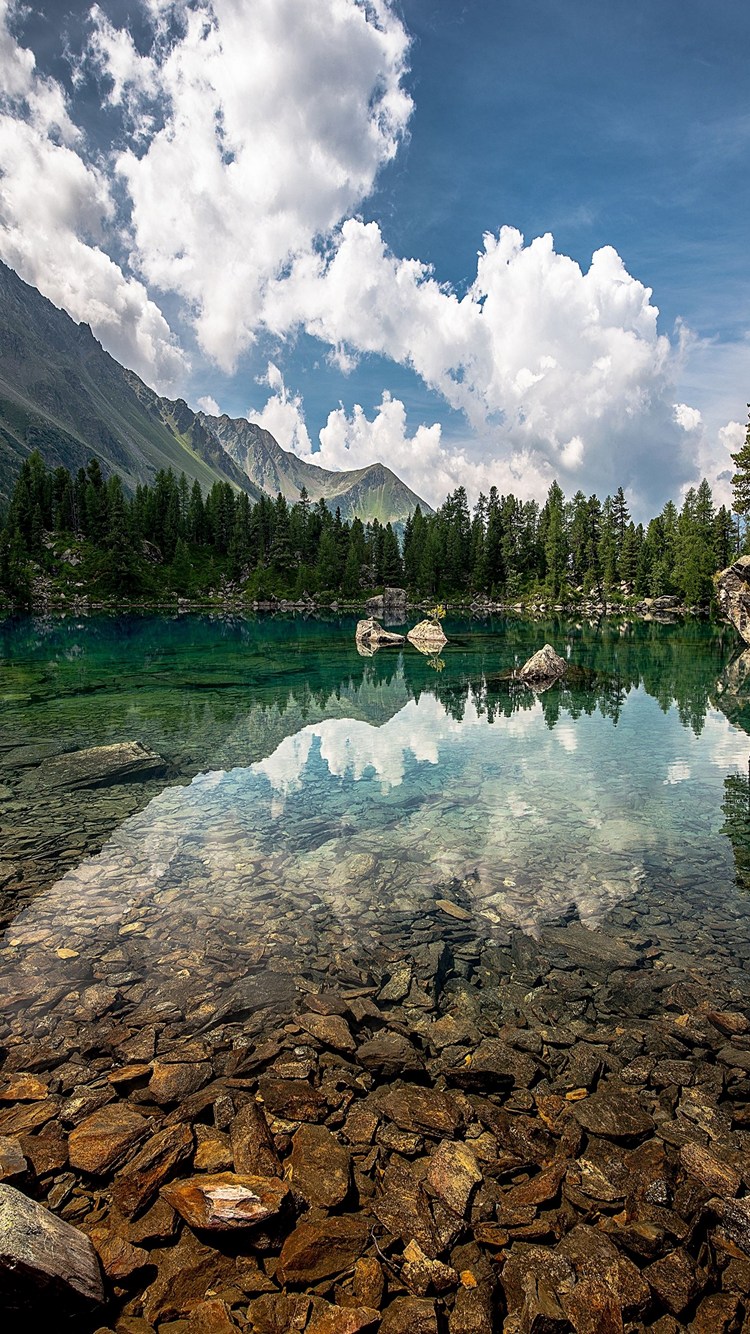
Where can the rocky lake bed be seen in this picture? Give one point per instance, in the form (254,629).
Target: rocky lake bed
(299,1040)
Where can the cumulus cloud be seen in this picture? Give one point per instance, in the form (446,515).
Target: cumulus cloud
(55,213)
(564,365)
(208,405)
(274,117)
(690,419)
(283,415)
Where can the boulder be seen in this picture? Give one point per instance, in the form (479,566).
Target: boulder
(733,594)
(543,667)
(427,636)
(38,1246)
(101,766)
(390,605)
(370,635)
(226,1201)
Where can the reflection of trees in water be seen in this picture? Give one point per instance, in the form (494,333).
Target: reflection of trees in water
(736,810)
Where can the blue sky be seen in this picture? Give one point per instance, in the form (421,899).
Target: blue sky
(230,191)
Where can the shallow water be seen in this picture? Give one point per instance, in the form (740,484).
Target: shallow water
(322,802)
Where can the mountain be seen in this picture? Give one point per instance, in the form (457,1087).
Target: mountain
(373,492)
(62,394)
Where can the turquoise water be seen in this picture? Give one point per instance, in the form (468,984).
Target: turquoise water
(320,801)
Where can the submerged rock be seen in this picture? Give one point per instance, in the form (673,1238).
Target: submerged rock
(370,635)
(101,766)
(226,1201)
(543,667)
(42,1248)
(427,636)
(733,593)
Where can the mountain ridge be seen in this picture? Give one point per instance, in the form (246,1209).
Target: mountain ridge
(63,394)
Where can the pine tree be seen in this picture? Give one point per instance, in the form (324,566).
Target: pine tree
(741,479)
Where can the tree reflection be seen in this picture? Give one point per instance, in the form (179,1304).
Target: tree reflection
(736,810)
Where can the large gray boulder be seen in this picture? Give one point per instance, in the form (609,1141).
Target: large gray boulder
(543,667)
(40,1248)
(390,605)
(733,593)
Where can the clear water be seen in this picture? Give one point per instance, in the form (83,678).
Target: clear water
(320,802)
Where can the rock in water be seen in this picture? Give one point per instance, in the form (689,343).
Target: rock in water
(370,635)
(226,1201)
(427,636)
(733,593)
(39,1245)
(543,667)
(101,766)
(390,605)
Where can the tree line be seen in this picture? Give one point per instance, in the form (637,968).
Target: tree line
(168,538)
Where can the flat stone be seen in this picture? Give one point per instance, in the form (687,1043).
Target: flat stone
(397,987)
(100,766)
(343,1320)
(171,1082)
(593,1308)
(409,1315)
(119,1258)
(717,1314)
(226,1201)
(452,1175)
(320,1167)
(211,1317)
(390,1055)
(403,1207)
(613,1115)
(139,1182)
(292,1099)
(716,1176)
(317,1250)
(421,1109)
(330,1029)
(188,1274)
(253,1149)
(473,1310)
(529,1264)
(673,1279)
(736,1057)
(421,1274)
(12,1161)
(594,1256)
(24,1088)
(45,1250)
(101,1141)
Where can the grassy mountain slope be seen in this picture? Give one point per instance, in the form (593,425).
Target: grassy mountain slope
(370,493)
(61,393)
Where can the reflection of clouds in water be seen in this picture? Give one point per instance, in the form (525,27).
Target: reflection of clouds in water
(369,820)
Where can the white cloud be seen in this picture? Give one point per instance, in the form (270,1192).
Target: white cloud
(283,415)
(276,116)
(544,359)
(55,214)
(690,419)
(208,405)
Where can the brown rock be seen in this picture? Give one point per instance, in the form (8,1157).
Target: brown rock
(717,1314)
(24,1088)
(368,1282)
(48,1151)
(39,1247)
(158,1224)
(526,1265)
(129,1074)
(210,1317)
(320,1166)
(23,1117)
(343,1320)
(330,1029)
(539,1190)
(292,1099)
(594,1256)
(317,1250)
(728,1021)
(253,1149)
(421,1274)
(403,1207)
(170,1083)
(213,1155)
(615,1115)
(592,1308)
(12,1161)
(493,1064)
(101,1141)
(452,1175)
(409,1315)
(421,1109)
(226,1201)
(138,1184)
(119,1258)
(542,1311)
(673,1279)
(390,1055)
(718,1177)
(188,1274)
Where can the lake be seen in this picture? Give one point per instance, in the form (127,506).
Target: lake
(395,840)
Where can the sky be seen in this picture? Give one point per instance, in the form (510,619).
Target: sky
(484,243)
